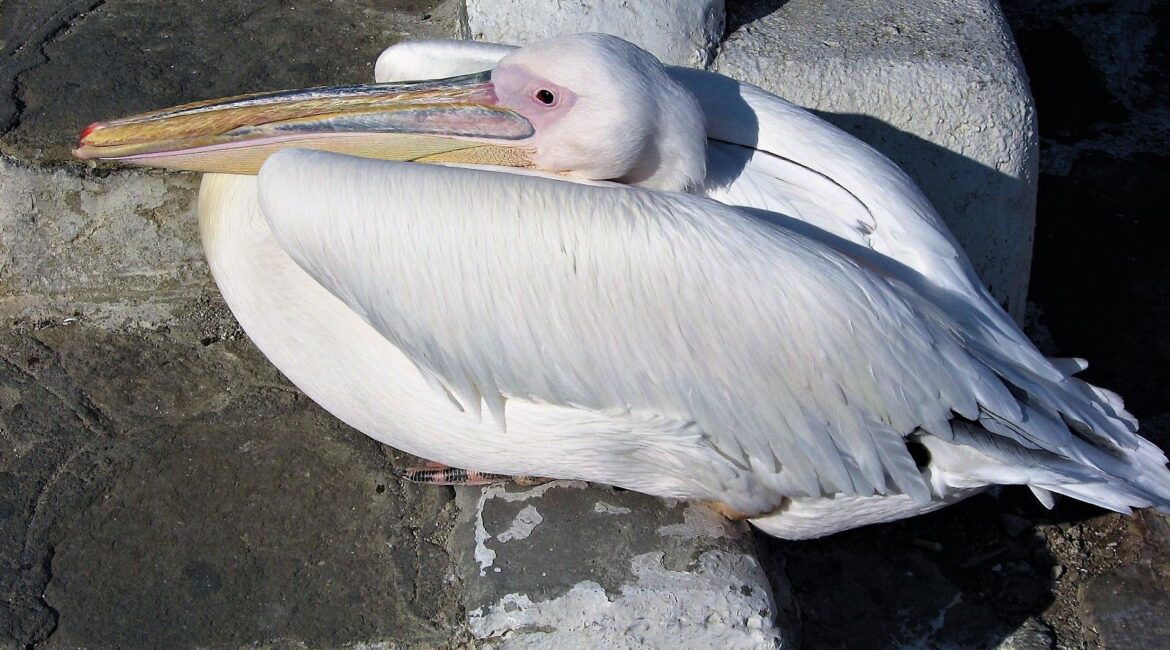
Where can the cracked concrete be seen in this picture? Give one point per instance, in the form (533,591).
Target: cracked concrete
(642,575)
(202,501)
(24,31)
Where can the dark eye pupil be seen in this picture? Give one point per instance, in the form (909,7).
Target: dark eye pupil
(544,96)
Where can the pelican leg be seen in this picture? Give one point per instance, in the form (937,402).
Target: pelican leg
(438,474)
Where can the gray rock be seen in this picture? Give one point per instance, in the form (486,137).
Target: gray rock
(1032,635)
(643,573)
(111,249)
(1127,606)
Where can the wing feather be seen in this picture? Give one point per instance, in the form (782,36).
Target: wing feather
(779,349)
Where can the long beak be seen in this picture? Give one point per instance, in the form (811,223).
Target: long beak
(445,120)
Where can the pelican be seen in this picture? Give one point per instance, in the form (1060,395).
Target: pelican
(561,295)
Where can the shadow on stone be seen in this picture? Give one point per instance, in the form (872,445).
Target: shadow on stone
(971,576)
(744,12)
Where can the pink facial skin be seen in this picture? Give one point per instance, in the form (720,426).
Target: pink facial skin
(520,90)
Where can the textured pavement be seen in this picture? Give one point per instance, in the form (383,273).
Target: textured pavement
(170,489)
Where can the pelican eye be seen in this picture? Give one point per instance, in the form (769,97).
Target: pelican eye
(545,97)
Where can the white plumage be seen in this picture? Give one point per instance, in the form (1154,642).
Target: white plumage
(658,340)
(767,154)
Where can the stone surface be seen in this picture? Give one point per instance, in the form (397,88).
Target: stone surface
(644,573)
(1032,635)
(163,485)
(170,489)
(1127,606)
(937,86)
(682,32)
(108,248)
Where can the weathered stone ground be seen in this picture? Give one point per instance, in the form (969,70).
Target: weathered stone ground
(162,486)
(169,489)
(1073,577)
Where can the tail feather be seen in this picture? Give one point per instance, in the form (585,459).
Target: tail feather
(1117,481)
(1054,432)
(1043,496)
(1068,366)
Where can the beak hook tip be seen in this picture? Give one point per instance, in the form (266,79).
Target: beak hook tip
(85,133)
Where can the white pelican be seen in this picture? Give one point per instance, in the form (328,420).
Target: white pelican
(562,325)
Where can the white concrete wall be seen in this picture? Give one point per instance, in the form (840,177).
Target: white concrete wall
(682,32)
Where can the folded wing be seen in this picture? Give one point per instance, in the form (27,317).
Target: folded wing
(795,362)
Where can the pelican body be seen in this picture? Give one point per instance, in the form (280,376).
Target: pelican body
(622,273)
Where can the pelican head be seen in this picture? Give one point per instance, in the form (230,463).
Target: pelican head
(591,106)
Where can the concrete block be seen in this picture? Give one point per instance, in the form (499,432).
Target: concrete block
(936,86)
(685,32)
(112,248)
(644,572)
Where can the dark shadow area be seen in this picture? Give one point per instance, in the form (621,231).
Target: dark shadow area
(1101,276)
(1100,269)
(966,576)
(743,12)
(1066,66)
